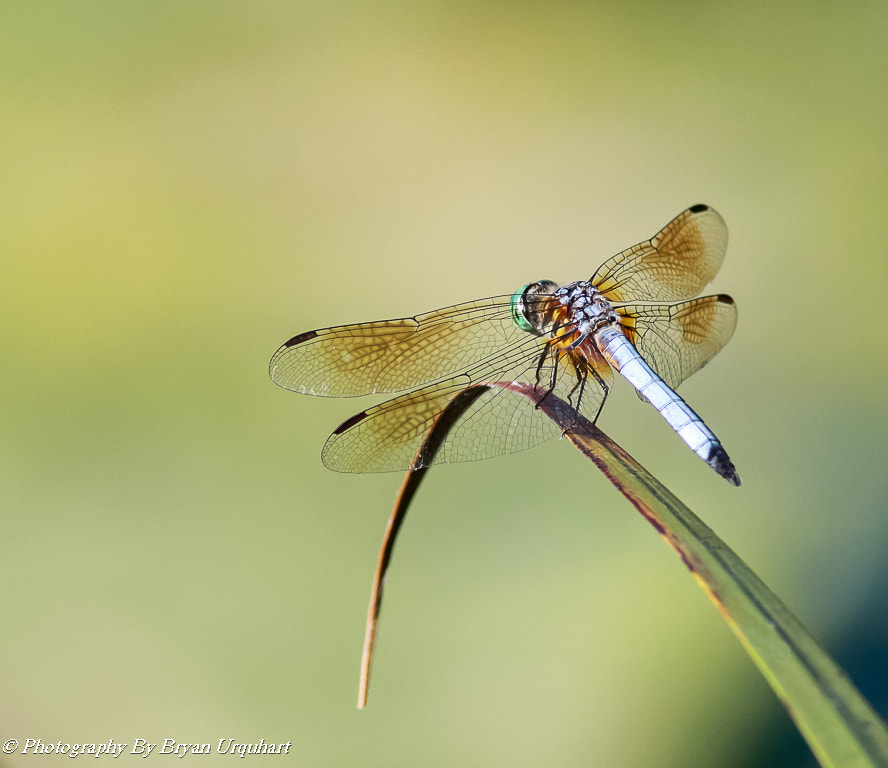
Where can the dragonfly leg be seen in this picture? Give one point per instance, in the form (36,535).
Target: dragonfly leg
(604,388)
(544,355)
(580,388)
(552,380)
(540,362)
(580,385)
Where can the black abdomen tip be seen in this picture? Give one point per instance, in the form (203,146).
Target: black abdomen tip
(719,461)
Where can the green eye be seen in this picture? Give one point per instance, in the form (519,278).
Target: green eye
(516,304)
(524,310)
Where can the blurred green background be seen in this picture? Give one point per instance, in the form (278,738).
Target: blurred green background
(187,185)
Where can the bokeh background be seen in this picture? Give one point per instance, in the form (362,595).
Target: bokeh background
(187,185)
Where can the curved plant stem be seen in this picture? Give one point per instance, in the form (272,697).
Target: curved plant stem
(424,457)
(837,722)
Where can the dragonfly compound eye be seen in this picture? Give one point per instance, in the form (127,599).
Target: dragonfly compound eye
(528,307)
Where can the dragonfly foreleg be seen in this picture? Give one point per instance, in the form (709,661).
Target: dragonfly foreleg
(544,355)
(553,378)
(540,362)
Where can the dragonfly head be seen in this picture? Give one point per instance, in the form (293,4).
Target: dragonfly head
(530,306)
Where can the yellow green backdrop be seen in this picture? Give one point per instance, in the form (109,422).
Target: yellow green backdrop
(184,186)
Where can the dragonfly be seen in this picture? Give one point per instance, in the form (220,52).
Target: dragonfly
(637,315)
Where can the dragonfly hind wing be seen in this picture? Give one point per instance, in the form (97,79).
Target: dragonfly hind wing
(677,340)
(387,438)
(677,263)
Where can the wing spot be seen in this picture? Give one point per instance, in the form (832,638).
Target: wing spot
(301,338)
(349,423)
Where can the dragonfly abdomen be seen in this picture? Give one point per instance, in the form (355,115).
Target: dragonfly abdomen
(624,358)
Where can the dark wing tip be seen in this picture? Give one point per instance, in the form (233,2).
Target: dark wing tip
(300,338)
(349,423)
(698,208)
(723,298)
(273,363)
(719,461)
(275,358)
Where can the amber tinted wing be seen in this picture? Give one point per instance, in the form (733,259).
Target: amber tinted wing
(677,263)
(386,438)
(394,355)
(677,340)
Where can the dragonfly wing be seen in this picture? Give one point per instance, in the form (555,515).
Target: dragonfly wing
(677,263)
(677,340)
(394,355)
(387,438)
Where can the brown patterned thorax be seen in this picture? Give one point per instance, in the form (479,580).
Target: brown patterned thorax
(567,316)
(586,309)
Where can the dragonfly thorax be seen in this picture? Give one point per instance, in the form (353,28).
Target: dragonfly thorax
(586,309)
(574,311)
